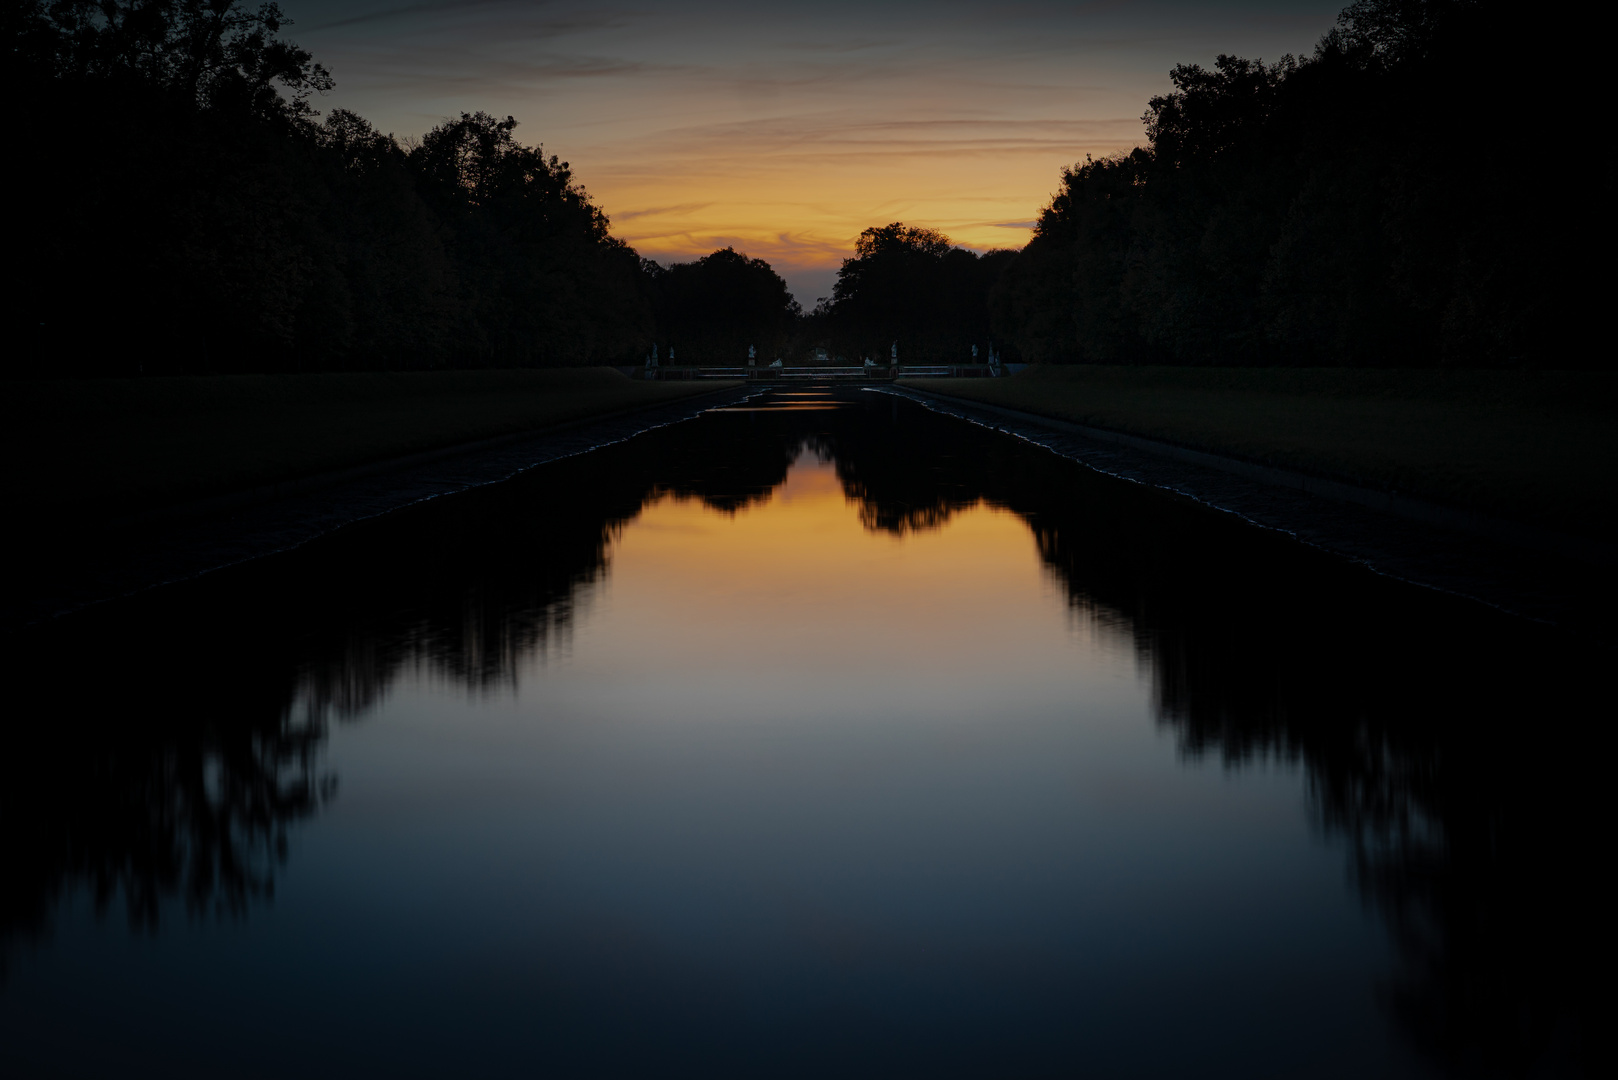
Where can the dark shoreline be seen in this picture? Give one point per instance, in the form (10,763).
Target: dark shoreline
(122,555)
(1537,449)
(1563,587)
(264,493)
(1553,579)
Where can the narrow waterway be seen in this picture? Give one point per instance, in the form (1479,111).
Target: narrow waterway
(820,734)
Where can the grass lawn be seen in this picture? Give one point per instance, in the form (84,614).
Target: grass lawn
(1540,447)
(112,446)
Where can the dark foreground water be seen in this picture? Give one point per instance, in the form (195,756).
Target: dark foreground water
(819,736)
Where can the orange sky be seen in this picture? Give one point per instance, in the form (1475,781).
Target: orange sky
(785,129)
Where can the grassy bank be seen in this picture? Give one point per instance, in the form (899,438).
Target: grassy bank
(111,446)
(1540,447)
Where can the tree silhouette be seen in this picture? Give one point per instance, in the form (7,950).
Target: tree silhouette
(909,286)
(1343,208)
(1459,776)
(218,227)
(714,308)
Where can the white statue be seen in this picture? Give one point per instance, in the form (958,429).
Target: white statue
(671,354)
(651,360)
(776,364)
(893,353)
(750,355)
(975,353)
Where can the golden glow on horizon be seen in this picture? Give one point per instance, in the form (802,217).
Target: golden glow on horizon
(784,130)
(803,204)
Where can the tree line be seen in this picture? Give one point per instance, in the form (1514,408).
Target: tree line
(908,293)
(186,209)
(1365,205)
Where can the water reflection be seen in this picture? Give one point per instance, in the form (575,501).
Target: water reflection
(1450,748)
(173,741)
(149,785)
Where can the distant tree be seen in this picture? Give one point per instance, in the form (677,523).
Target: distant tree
(909,285)
(712,309)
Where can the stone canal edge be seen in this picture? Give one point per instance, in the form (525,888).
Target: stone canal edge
(1549,577)
(124,556)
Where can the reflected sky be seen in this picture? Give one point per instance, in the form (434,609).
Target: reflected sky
(783,594)
(857,740)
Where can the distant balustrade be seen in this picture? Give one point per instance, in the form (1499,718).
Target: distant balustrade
(868,373)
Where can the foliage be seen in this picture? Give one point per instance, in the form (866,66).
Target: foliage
(214,225)
(712,310)
(909,287)
(1345,208)
(211,53)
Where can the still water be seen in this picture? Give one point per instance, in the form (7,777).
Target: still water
(817,734)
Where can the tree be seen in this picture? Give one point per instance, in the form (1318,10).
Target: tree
(910,286)
(714,308)
(542,280)
(1345,208)
(214,225)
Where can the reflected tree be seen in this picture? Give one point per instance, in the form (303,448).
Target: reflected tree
(468,588)
(1446,749)
(164,766)
(177,772)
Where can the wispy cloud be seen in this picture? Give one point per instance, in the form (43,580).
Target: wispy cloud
(784,129)
(397,12)
(682,208)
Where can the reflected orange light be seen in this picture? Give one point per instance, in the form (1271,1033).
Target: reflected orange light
(798,574)
(789,407)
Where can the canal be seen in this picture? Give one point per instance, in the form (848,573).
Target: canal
(819,734)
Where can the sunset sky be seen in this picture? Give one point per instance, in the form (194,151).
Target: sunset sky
(783,129)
